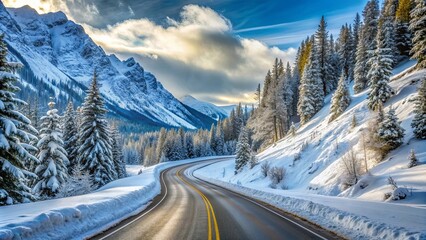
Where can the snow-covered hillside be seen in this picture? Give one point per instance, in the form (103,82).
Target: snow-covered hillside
(209,109)
(313,158)
(60,56)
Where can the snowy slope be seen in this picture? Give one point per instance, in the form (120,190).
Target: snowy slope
(206,108)
(58,54)
(317,177)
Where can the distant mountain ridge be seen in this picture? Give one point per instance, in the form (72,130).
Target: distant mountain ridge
(209,109)
(60,58)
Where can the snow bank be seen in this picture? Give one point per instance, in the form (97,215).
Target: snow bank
(354,219)
(86,215)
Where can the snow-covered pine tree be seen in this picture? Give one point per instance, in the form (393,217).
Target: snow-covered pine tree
(346,50)
(418,27)
(379,75)
(95,153)
(258,95)
(70,133)
(371,20)
(220,140)
(15,134)
(181,135)
(117,153)
(419,121)
(322,45)
(341,99)
(284,100)
(189,143)
(212,138)
(412,159)
(243,151)
(361,70)
(237,121)
(160,143)
(357,29)
(311,95)
(387,28)
(52,171)
(403,34)
(390,132)
(266,88)
(334,68)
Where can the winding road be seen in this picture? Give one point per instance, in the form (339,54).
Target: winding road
(189,208)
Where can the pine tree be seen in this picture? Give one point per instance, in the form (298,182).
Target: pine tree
(117,154)
(357,29)
(70,134)
(333,68)
(284,102)
(243,151)
(387,28)
(15,134)
(361,70)
(266,88)
(321,38)
(412,159)
(258,94)
(311,97)
(341,99)
(160,144)
(418,27)
(189,143)
(212,138)
(52,171)
(95,153)
(390,132)
(419,121)
(346,50)
(379,75)
(403,34)
(370,28)
(220,140)
(181,136)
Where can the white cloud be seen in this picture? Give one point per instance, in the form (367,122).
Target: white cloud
(202,40)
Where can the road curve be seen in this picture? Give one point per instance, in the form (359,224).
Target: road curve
(189,208)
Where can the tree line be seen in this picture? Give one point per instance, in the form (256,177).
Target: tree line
(175,144)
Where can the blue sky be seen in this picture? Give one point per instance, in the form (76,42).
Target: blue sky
(215,50)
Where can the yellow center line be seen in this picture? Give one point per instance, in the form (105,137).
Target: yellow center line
(209,208)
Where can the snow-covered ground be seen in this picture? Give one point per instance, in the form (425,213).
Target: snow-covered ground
(83,216)
(133,170)
(312,186)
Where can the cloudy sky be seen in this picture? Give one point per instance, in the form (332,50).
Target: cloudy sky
(214,50)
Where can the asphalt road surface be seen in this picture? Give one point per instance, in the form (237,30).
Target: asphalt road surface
(189,208)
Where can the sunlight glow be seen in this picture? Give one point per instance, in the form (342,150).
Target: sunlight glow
(41,6)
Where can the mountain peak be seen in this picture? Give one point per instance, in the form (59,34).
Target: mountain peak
(206,108)
(187,97)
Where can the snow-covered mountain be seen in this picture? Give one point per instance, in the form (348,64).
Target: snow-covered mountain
(209,109)
(228,108)
(60,59)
